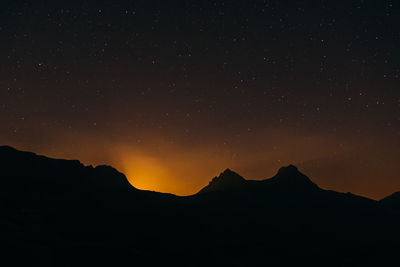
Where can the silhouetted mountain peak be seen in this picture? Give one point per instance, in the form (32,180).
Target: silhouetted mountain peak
(291,169)
(226,180)
(228,172)
(291,176)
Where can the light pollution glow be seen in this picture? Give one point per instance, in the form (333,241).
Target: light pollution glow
(358,166)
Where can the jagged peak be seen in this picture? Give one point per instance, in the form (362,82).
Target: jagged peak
(227,170)
(228,174)
(226,179)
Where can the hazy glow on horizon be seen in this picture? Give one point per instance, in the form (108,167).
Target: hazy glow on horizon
(358,166)
(173,94)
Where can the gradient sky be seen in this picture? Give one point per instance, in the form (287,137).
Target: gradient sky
(173,92)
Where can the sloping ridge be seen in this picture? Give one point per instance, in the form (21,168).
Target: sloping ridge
(27,175)
(392,201)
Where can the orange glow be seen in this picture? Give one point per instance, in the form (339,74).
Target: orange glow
(169,172)
(345,164)
(145,173)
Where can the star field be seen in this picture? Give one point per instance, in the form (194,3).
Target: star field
(173,92)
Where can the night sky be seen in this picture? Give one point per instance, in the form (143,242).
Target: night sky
(173,92)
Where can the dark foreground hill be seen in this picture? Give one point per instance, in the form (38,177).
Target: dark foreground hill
(392,201)
(62,213)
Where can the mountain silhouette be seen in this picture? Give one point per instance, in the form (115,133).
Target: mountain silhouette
(288,177)
(225,181)
(392,201)
(46,181)
(289,186)
(59,212)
